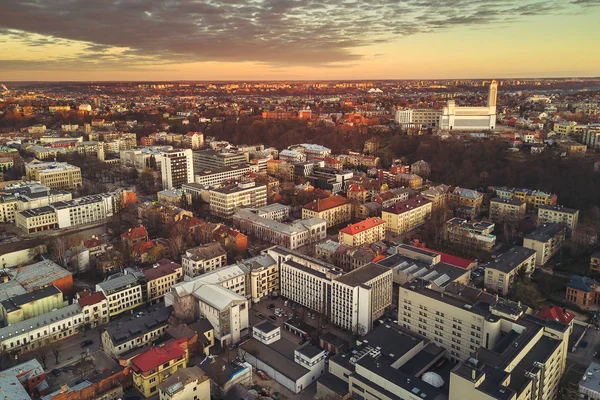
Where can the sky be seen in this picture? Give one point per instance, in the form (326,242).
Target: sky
(99,40)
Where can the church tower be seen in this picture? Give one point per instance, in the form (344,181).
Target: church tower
(493,94)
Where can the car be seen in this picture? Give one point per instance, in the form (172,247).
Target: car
(583,344)
(56,372)
(87,343)
(271,306)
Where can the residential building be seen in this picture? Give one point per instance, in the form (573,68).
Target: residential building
(294,367)
(176,168)
(438,195)
(361,296)
(507,210)
(213,160)
(406,215)
(533,198)
(217,176)
(24,381)
(349,258)
(503,271)
(55,175)
(546,240)
(8,208)
(160,278)
(202,259)
(275,211)
(37,219)
(227,378)
(325,250)
(588,384)
(335,210)
(186,384)
(411,181)
(94,307)
(135,236)
(560,215)
(224,202)
(390,197)
(469,236)
(157,364)
(591,138)
(123,291)
(418,117)
(290,235)
(292,156)
(193,140)
(471,118)
(465,203)
(365,232)
(174,197)
(312,150)
(40,275)
(358,193)
(122,336)
(144,157)
(353,159)
(583,291)
(263,276)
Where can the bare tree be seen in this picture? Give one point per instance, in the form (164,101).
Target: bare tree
(55,346)
(58,248)
(43,357)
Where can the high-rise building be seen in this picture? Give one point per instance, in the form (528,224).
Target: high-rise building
(176,168)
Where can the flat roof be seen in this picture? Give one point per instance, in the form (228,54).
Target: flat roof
(545,232)
(124,330)
(558,208)
(276,360)
(510,259)
(28,325)
(363,274)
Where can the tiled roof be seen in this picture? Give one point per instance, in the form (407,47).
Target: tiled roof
(91,299)
(407,205)
(326,204)
(555,313)
(156,356)
(135,233)
(362,226)
(162,268)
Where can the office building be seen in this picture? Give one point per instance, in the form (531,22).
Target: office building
(213,160)
(418,118)
(37,219)
(465,203)
(503,271)
(365,232)
(263,276)
(202,259)
(224,202)
(88,209)
(144,157)
(406,215)
(560,215)
(335,210)
(546,240)
(218,176)
(55,175)
(471,118)
(176,168)
(512,210)
(470,237)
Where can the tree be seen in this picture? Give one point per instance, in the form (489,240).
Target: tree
(43,357)
(58,248)
(55,347)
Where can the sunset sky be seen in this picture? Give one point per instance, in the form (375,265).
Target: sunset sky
(295,39)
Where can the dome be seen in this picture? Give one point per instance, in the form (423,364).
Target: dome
(433,379)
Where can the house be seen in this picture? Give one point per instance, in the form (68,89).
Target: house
(135,236)
(583,291)
(546,240)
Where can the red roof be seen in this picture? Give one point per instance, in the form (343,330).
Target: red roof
(91,299)
(555,313)
(326,204)
(163,267)
(190,134)
(143,247)
(407,205)
(135,233)
(453,260)
(93,242)
(362,225)
(356,188)
(156,356)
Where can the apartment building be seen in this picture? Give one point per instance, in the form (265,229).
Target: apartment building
(123,291)
(507,210)
(95,309)
(224,202)
(533,198)
(157,364)
(365,232)
(503,271)
(438,195)
(361,296)
(184,384)
(37,219)
(135,236)
(465,203)
(406,215)
(212,159)
(290,235)
(411,181)
(469,236)
(263,276)
(418,117)
(55,175)
(546,240)
(88,209)
(46,153)
(216,177)
(176,168)
(144,157)
(335,210)
(8,207)
(160,278)
(390,197)
(193,140)
(353,159)
(591,138)
(560,215)
(202,259)
(122,336)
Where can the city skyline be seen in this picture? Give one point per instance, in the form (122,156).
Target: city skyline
(303,40)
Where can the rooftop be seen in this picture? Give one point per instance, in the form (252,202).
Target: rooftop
(545,232)
(162,268)
(326,204)
(407,205)
(510,259)
(180,378)
(558,208)
(591,378)
(156,356)
(280,362)
(22,327)
(363,275)
(124,330)
(362,226)
(206,252)
(38,275)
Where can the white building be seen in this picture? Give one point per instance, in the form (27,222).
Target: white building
(176,168)
(216,177)
(202,259)
(224,202)
(123,291)
(86,210)
(471,118)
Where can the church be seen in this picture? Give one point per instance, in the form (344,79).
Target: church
(471,118)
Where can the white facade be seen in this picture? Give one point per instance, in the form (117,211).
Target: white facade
(471,118)
(85,210)
(176,168)
(226,201)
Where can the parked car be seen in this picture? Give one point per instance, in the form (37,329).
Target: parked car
(271,306)
(56,372)
(87,343)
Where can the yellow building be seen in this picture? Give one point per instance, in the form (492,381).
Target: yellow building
(29,305)
(533,198)
(573,149)
(502,272)
(546,240)
(8,207)
(466,203)
(358,193)
(412,181)
(406,215)
(507,210)
(438,195)
(55,175)
(264,276)
(6,163)
(565,128)
(157,364)
(368,231)
(335,210)
(560,215)
(37,219)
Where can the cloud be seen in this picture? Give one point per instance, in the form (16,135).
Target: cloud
(274,32)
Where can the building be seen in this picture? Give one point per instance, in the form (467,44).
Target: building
(213,160)
(406,215)
(202,259)
(224,202)
(465,203)
(94,307)
(290,235)
(176,168)
(471,118)
(512,210)
(217,176)
(591,138)
(55,175)
(263,276)
(546,240)
(145,157)
(411,181)
(583,291)
(193,140)
(30,304)
(533,198)
(186,384)
(40,275)
(361,296)
(504,270)
(595,261)
(560,215)
(588,385)
(294,367)
(135,236)
(157,364)
(469,236)
(37,219)
(88,209)
(23,381)
(390,197)
(365,232)
(312,151)
(174,197)
(160,278)
(418,118)
(335,210)
(121,337)
(227,378)
(123,291)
